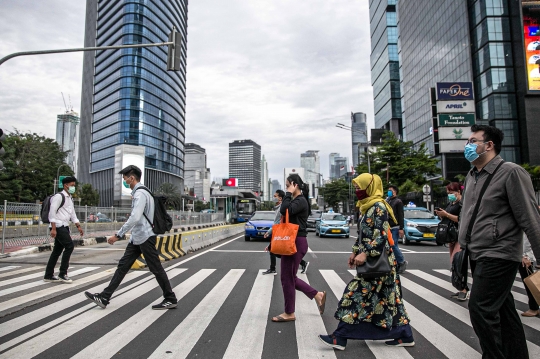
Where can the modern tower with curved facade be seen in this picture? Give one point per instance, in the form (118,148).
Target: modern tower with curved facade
(131,105)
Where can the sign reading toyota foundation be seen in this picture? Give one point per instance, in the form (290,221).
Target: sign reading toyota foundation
(455,106)
(456,119)
(450,91)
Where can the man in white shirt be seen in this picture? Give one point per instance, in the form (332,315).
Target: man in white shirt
(61,213)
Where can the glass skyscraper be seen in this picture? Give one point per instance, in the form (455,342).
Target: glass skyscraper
(358,136)
(245,164)
(128,97)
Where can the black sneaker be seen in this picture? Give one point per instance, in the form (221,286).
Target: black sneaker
(53,279)
(304,267)
(166,304)
(455,295)
(402,267)
(97,298)
(401,342)
(64,278)
(463,296)
(333,341)
(270,271)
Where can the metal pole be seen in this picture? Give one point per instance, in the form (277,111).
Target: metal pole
(46,52)
(4,226)
(85,218)
(368,161)
(54,186)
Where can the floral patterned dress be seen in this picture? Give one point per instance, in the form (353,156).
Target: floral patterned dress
(376,301)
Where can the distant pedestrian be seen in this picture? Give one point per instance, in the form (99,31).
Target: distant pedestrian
(61,212)
(525,269)
(303,264)
(371,309)
(296,201)
(142,241)
(507,208)
(397,227)
(451,215)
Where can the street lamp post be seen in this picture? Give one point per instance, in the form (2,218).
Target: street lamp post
(347,128)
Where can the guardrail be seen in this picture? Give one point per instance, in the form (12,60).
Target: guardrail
(20,223)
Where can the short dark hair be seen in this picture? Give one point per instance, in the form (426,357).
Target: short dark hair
(131,170)
(68,179)
(492,134)
(280,193)
(394,188)
(454,187)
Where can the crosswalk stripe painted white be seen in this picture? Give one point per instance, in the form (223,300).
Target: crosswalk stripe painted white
(453,309)
(8,304)
(46,340)
(41,282)
(23,270)
(309,325)
(248,338)
(23,278)
(183,338)
(378,348)
(531,322)
(51,309)
(8,268)
(131,328)
(448,273)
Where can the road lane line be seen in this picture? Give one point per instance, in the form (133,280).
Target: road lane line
(183,338)
(41,282)
(25,277)
(377,347)
(24,270)
(135,325)
(46,340)
(449,274)
(8,268)
(248,338)
(309,325)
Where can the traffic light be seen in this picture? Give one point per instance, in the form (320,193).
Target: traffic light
(2,150)
(175,51)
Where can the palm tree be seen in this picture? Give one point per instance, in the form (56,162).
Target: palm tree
(172,194)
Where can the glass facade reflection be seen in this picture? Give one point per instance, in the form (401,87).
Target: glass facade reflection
(135,100)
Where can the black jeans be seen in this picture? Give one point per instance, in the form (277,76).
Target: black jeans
(272,261)
(62,242)
(148,248)
(493,311)
(533,305)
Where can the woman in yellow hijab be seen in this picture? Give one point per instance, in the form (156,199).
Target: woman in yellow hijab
(371,309)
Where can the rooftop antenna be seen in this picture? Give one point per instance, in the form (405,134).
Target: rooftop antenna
(64,102)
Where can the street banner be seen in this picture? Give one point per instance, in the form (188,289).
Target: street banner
(456,119)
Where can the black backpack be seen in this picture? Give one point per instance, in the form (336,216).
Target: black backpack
(46,207)
(162,220)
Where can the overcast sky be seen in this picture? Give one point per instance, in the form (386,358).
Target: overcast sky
(281,73)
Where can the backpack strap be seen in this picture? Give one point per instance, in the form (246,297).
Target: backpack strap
(63,201)
(478,201)
(144,214)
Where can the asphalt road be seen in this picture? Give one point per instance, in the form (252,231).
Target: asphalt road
(225,306)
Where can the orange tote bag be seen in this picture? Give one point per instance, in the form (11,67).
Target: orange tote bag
(284,237)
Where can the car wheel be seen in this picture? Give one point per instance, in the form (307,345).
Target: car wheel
(347,236)
(438,244)
(317,233)
(406,241)
(247,238)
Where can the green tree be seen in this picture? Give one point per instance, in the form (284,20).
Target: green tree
(199,206)
(335,192)
(534,171)
(397,162)
(31,162)
(173,194)
(88,195)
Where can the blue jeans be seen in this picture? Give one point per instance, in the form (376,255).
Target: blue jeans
(395,247)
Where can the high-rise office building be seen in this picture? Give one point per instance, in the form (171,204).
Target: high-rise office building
(265,184)
(196,175)
(245,164)
(128,97)
(275,186)
(67,136)
(333,174)
(385,65)
(311,164)
(359,139)
(342,166)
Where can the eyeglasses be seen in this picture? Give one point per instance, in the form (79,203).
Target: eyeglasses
(474,140)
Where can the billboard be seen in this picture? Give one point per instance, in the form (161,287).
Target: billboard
(452,146)
(454,133)
(230,182)
(448,91)
(531,37)
(456,119)
(464,106)
(125,155)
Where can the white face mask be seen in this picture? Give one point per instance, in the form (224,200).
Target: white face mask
(71,189)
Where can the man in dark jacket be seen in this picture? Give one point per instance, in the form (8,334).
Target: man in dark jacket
(397,228)
(507,209)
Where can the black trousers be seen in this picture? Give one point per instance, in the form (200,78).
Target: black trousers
(533,305)
(62,242)
(493,311)
(148,248)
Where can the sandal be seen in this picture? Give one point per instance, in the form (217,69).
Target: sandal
(323,303)
(279,319)
(529,314)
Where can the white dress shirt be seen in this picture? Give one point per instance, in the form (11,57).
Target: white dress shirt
(62,216)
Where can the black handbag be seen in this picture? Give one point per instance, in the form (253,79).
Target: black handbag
(446,233)
(375,267)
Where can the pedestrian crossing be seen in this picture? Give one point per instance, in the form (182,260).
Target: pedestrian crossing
(237,304)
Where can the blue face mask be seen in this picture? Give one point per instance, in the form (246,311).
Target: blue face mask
(452,197)
(470,152)
(390,193)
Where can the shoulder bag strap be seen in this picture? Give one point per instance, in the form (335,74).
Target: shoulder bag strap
(477,207)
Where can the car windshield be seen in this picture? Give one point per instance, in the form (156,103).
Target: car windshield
(418,214)
(263,216)
(315,215)
(333,217)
